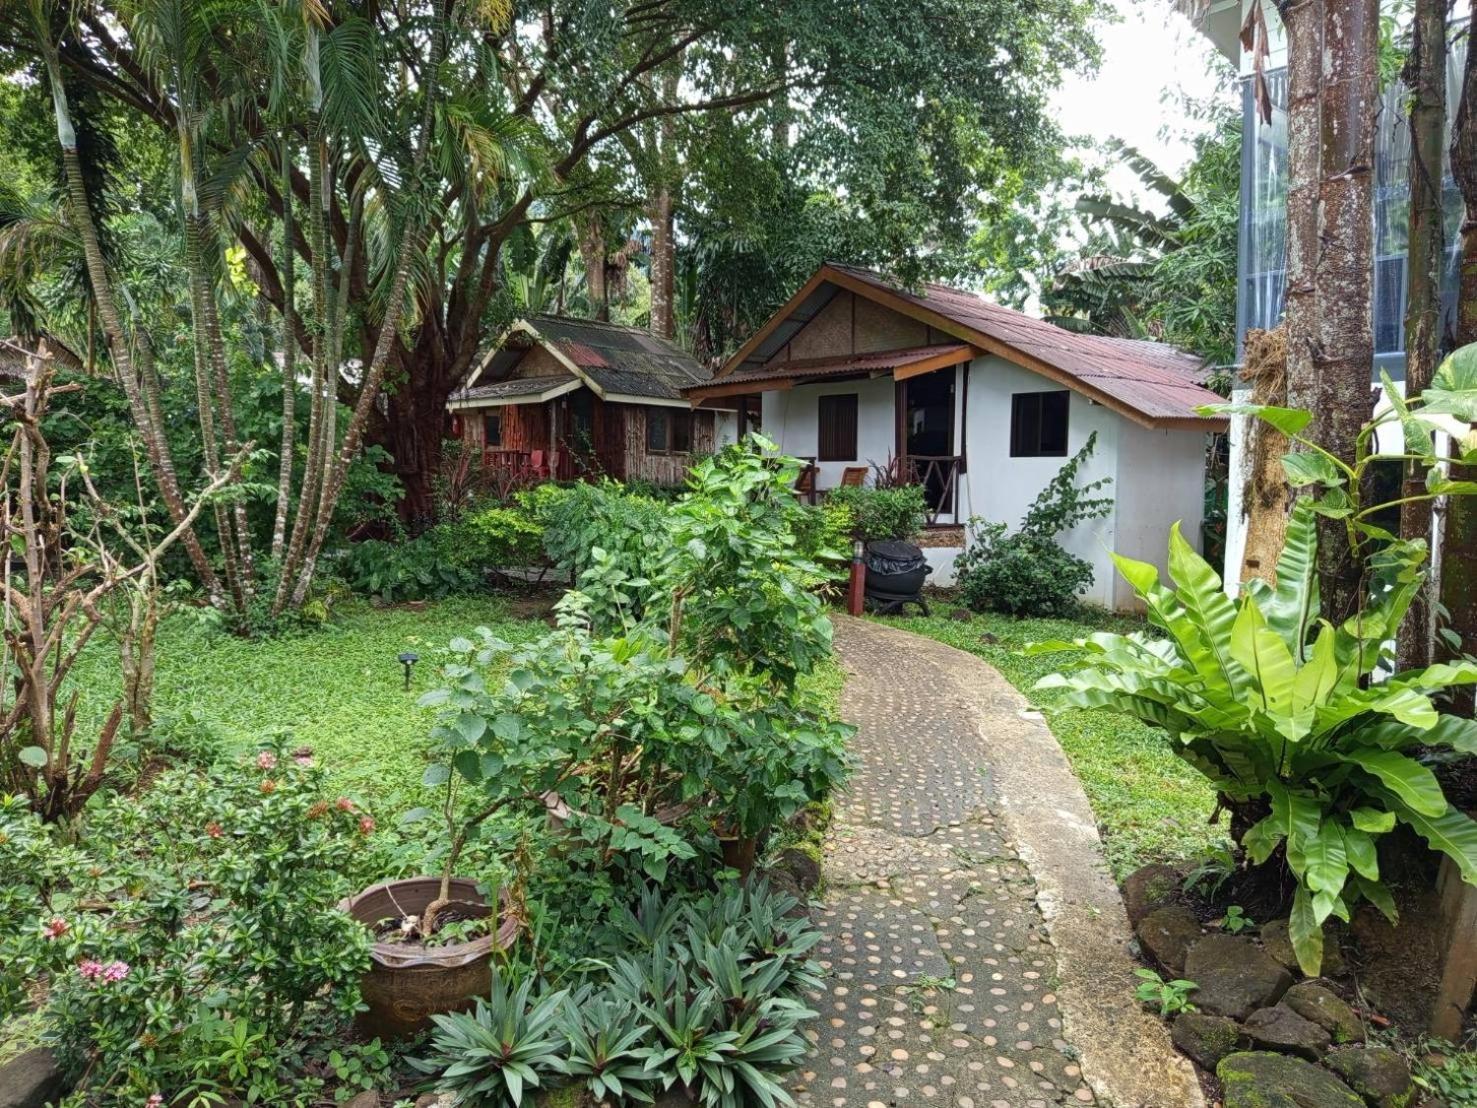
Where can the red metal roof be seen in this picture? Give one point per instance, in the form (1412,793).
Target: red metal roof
(1150,383)
(1153,379)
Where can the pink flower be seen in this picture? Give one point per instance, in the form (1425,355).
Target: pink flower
(116,971)
(90,970)
(56,928)
(344,804)
(303,760)
(213,829)
(156,1100)
(366,825)
(266,760)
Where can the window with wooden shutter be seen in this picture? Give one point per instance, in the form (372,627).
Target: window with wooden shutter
(681,432)
(1038,424)
(836,435)
(658,431)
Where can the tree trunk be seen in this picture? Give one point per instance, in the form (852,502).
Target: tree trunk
(1459,535)
(288,445)
(1425,74)
(663,263)
(136,386)
(663,238)
(415,425)
(591,231)
(1330,339)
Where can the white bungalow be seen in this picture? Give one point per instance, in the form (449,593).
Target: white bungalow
(983,405)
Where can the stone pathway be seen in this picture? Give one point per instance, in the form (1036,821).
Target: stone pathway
(941,979)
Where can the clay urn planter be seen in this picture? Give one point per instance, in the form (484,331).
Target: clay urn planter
(408,983)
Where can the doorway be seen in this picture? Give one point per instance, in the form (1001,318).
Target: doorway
(926,435)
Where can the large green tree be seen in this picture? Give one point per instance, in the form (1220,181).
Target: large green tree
(376,162)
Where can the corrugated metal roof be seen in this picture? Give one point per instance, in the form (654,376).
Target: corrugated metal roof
(518,386)
(877,361)
(626,361)
(1154,379)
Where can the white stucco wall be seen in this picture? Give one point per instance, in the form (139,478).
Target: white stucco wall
(1157,476)
(790,419)
(725,428)
(1000,488)
(1160,482)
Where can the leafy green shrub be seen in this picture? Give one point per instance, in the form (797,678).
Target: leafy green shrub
(671,696)
(496,537)
(192,946)
(823,531)
(424,568)
(1277,708)
(1026,572)
(577,519)
(721,990)
(894,512)
(1019,574)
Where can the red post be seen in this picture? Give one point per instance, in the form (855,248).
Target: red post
(857,585)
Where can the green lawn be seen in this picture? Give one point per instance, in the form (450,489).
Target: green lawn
(339,690)
(1150,805)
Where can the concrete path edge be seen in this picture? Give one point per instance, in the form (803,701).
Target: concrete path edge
(1126,1054)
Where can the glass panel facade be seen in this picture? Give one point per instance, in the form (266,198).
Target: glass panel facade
(1264,214)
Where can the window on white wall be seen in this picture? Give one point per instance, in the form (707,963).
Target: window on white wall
(836,434)
(1038,424)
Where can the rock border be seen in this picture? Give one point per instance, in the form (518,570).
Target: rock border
(1127,1058)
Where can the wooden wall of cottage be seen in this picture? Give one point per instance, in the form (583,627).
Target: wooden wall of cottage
(524,426)
(619,439)
(624,454)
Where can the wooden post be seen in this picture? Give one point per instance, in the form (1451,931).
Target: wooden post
(1459,938)
(856,591)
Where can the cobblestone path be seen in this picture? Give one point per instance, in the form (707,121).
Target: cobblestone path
(940,980)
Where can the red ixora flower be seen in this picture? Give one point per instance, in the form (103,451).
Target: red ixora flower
(214,830)
(269,786)
(344,804)
(56,928)
(366,825)
(266,760)
(318,809)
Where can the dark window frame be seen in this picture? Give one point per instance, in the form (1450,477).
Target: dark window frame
(488,442)
(1033,419)
(836,417)
(674,419)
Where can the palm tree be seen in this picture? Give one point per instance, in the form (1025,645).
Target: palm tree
(1167,275)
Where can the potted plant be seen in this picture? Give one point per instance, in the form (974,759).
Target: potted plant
(411,979)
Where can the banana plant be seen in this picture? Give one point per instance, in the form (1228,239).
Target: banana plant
(1283,711)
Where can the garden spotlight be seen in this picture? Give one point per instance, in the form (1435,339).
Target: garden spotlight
(408,660)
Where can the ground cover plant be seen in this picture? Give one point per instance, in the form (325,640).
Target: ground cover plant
(1150,805)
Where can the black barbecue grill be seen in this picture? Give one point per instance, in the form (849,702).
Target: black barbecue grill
(895,575)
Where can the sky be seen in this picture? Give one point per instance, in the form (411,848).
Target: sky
(1149,52)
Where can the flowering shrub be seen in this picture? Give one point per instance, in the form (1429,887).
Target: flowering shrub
(192,947)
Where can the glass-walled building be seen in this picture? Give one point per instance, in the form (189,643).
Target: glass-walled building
(1263,253)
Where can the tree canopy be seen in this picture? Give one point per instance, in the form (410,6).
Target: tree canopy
(352,196)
